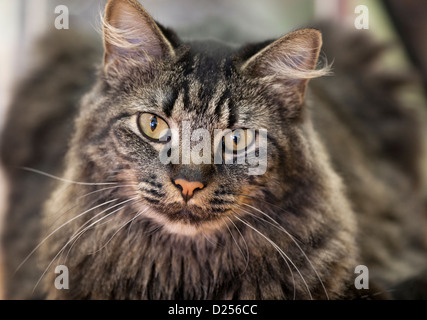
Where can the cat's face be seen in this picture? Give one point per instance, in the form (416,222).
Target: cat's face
(163,84)
(183,196)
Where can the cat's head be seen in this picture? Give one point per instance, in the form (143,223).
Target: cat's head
(152,82)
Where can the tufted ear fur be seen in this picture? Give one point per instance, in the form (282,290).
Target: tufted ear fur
(289,61)
(131,35)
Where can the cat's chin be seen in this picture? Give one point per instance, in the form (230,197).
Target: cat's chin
(183,227)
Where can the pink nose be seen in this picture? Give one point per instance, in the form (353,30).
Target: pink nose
(188,187)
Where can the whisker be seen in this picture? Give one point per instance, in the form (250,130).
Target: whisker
(66,180)
(107,188)
(209,240)
(280,227)
(86,195)
(281,252)
(54,231)
(126,223)
(79,232)
(257,199)
(293,278)
(238,246)
(130,226)
(266,202)
(77,236)
(153,231)
(276,249)
(73,237)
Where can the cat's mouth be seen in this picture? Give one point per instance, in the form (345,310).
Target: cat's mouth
(185,214)
(207,211)
(192,215)
(187,221)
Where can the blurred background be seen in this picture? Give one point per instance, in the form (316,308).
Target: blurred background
(403,23)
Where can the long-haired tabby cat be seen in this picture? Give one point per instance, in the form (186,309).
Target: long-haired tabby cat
(340,188)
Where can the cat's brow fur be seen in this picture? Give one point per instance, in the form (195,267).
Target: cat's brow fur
(320,197)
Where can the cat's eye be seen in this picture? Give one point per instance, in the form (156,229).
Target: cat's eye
(152,126)
(239,139)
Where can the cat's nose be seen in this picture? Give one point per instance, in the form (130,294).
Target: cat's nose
(188,187)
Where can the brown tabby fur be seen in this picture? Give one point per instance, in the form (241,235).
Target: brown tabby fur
(332,197)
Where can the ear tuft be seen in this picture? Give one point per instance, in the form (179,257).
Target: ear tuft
(130,35)
(290,60)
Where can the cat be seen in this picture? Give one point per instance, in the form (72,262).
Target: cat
(128,226)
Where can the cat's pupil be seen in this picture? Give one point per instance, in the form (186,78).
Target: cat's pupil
(153,123)
(236,139)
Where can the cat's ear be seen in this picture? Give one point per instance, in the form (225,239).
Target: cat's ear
(289,61)
(130,35)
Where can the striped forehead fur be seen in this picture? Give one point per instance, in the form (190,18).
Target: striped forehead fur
(285,66)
